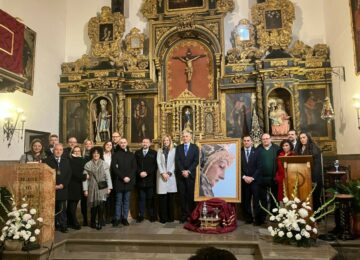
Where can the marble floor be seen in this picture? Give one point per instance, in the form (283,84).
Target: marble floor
(171,241)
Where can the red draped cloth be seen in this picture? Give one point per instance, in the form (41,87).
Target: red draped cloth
(11,43)
(280,175)
(226,214)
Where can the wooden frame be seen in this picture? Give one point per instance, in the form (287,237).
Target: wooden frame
(141,123)
(172,7)
(30,135)
(355,24)
(312,96)
(29,59)
(228,100)
(218,173)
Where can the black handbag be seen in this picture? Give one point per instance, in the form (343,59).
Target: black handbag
(101,184)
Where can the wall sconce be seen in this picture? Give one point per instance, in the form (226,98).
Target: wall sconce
(327,112)
(13,120)
(356,104)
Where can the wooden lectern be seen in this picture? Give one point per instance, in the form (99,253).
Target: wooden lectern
(36,181)
(300,166)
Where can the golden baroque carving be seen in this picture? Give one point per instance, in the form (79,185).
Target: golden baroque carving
(238,78)
(315,74)
(148,9)
(321,51)
(301,50)
(213,27)
(278,63)
(135,41)
(139,85)
(160,31)
(105,33)
(74,88)
(273,20)
(79,65)
(185,22)
(243,35)
(279,73)
(225,6)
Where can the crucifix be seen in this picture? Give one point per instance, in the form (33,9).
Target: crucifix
(188,60)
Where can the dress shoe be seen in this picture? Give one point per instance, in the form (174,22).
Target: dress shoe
(99,226)
(259,223)
(93,225)
(249,221)
(153,219)
(63,230)
(85,224)
(115,223)
(125,222)
(76,227)
(139,219)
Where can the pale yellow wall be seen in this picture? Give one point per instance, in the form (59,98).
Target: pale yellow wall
(47,18)
(340,39)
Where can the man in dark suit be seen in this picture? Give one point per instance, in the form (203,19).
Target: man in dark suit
(123,167)
(294,139)
(72,142)
(53,139)
(186,160)
(63,175)
(115,141)
(250,174)
(145,179)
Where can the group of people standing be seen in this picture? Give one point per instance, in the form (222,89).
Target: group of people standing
(103,178)
(262,171)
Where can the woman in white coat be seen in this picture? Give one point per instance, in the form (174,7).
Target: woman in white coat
(166,181)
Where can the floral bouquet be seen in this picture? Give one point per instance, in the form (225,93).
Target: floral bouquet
(294,221)
(22,224)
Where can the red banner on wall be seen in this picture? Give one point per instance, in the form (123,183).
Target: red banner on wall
(11,43)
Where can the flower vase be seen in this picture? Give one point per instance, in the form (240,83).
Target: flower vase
(13,245)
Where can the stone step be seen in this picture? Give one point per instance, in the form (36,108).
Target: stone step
(131,256)
(158,248)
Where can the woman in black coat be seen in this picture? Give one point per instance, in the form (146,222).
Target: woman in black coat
(308,147)
(75,190)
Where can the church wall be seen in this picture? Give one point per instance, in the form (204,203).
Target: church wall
(47,19)
(340,39)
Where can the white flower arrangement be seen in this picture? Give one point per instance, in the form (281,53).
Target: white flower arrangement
(22,223)
(293,219)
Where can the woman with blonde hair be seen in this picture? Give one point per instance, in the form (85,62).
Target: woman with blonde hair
(87,145)
(36,153)
(165,179)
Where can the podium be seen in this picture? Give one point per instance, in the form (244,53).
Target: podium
(300,166)
(36,182)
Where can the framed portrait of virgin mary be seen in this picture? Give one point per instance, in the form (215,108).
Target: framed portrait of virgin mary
(218,173)
(172,6)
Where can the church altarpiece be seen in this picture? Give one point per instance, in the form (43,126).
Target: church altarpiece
(179,76)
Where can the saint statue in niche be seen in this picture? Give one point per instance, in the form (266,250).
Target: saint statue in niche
(280,120)
(104,117)
(187,119)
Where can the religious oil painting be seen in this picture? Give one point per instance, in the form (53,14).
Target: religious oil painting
(141,115)
(29,58)
(273,20)
(355,15)
(106,32)
(101,119)
(218,174)
(30,135)
(279,111)
(75,119)
(181,4)
(311,102)
(238,114)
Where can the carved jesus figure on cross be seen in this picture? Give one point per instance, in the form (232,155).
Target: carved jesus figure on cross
(188,60)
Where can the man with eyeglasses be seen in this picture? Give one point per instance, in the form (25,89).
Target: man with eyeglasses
(116,142)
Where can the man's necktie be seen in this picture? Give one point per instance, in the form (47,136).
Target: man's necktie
(247,155)
(186,148)
(144,152)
